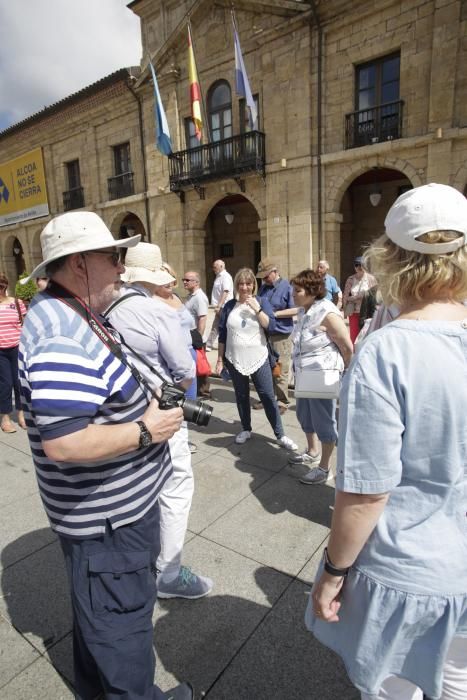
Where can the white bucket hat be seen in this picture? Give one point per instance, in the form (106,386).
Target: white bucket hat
(75,232)
(424,209)
(144,264)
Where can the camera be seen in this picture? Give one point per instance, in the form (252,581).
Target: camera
(196,412)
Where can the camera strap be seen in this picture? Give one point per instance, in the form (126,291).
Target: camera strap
(104,333)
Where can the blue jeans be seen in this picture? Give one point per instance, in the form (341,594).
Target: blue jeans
(9,379)
(113,593)
(262,380)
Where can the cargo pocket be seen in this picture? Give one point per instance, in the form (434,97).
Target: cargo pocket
(120,582)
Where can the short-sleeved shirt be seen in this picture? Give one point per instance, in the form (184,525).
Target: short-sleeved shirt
(222,283)
(403,429)
(280,296)
(10,323)
(153,329)
(69,380)
(312,346)
(198,305)
(332,288)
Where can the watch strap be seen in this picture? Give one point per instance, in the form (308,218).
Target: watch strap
(145,437)
(331,569)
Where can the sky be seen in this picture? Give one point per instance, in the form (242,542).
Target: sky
(52,48)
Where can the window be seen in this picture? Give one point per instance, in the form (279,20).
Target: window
(245,114)
(378,82)
(191,139)
(220,111)
(73,175)
(122,160)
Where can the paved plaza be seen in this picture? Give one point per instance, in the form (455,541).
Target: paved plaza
(254,529)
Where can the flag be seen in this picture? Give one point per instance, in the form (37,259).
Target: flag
(163,141)
(241,81)
(195,92)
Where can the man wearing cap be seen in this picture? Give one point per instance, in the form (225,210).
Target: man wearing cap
(99,446)
(197,304)
(222,291)
(278,292)
(333,291)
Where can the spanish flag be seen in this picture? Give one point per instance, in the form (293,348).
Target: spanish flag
(195,92)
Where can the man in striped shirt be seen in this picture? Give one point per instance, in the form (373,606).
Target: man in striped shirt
(99,447)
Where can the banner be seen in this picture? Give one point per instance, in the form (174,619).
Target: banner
(163,142)
(23,192)
(195,92)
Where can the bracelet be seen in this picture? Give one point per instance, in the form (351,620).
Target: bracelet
(331,569)
(259,310)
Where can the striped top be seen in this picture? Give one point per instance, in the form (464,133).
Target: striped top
(70,379)
(10,324)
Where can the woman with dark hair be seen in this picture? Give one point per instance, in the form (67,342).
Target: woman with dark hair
(12,311)
(244,351)
(320,341)
(393,580)
(356,286)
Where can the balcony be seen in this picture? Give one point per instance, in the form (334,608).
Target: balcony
(373,125)
(121,185)
(232,157)
(73,199)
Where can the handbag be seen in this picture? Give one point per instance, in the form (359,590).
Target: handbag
(203,368)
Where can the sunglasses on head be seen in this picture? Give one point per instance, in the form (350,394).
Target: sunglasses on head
(114,255)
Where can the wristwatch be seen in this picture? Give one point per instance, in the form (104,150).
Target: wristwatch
(331,569)
(145,438)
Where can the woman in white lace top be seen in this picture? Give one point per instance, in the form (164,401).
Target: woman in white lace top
(244,351)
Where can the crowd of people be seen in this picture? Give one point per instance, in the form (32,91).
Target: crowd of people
(114,469)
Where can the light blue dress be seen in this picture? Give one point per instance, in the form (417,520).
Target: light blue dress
(403,430)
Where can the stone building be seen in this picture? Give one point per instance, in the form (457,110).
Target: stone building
(357,102)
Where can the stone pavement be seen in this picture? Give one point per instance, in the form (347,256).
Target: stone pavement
(254,529)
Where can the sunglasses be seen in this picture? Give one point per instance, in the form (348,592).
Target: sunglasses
(114,255)
(357,264)
(3,286)
(187,279)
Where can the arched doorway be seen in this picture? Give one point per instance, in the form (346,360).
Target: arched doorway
(18,255)
(364,206)
(232,235)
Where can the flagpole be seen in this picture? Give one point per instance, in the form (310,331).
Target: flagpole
(208,126)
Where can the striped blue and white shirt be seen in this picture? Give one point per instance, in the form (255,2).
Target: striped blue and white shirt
(70,379)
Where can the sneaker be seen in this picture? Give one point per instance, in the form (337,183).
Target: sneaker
(317,475)
(192,447)
(286,442)
(243,437)
(186,585)
(305,458)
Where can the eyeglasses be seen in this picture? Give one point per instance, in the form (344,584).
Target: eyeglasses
(114,255)
(357,264)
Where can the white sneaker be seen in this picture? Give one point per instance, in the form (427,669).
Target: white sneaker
(243,437)
(286,442)
(305,458)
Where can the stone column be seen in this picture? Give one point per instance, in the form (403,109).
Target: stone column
(332,240)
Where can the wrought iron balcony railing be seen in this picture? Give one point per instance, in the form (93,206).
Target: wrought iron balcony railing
(73,199)
(373,125)
(232,157)
(121,185)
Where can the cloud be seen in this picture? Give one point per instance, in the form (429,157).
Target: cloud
(53,48)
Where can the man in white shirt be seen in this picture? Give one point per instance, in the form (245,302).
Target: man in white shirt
(197,304)
(222,291)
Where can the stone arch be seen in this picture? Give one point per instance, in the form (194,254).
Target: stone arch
(118,217)
(350,172)
(200,210)
(459,181)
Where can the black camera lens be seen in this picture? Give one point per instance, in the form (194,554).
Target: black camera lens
(196,412)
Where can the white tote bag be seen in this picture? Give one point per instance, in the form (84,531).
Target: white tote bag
(318,383)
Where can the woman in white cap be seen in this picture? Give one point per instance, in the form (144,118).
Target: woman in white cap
(153,329)
(393,580)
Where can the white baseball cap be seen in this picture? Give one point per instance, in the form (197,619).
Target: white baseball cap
(75,232)
(144,264)
(424,209)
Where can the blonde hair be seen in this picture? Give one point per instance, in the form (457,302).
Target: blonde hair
(245,275)
(406,276)
(168,268)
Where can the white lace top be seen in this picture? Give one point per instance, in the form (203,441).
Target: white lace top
(246,345)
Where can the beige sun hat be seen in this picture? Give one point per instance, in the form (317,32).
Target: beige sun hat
(75,232)
(143,263)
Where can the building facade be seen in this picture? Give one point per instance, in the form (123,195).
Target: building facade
(357,102)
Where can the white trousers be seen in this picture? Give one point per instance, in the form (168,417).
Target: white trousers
(174,504)
(454,681)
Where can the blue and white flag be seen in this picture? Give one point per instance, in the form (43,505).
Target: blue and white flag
(163,141)
(241,82)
